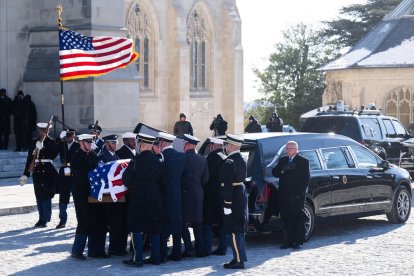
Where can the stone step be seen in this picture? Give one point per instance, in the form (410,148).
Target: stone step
(13,174)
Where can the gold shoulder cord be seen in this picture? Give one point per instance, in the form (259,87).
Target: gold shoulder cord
(59,11)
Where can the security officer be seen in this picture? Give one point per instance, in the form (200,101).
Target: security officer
(232,174)
(253,126)
(83,161)
(143,177)
(218,125)
(98,144)
(43,150)
(193,195)
(67,148)
(128,150)
(175,172)
(213,206)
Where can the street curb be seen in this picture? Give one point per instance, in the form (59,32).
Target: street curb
(26,209)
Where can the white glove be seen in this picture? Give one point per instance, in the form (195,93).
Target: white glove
(62,134)
(23,180)
(93,146)
(39,145)
(227,211)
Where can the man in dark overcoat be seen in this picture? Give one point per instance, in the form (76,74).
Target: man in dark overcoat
(218,125)
(143,178)
(193,197)
(235,214)
(253,126)
(213,207)
(183,126)
(175,171)
(67,148)
(44,172)
(31,117)
(6,110)
(83,161)
(20,113)
(294,174)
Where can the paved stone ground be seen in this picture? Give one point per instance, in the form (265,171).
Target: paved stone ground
(369,246)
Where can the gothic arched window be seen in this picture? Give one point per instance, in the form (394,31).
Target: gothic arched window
(399,104)
(140,29)
(198,39)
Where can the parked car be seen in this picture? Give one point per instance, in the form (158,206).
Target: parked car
(286,128)
(384,135)
(347,179)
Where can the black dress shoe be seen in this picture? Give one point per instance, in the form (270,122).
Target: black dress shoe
(151,261)
(133,263)
(78,256)
(286,246)
(229,263)
(61,225)
(43,225)
(187,254)
(38,223)
(218,252)
(297,246)
(174,258)
(235,265)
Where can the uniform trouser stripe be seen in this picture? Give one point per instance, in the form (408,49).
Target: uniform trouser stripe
(133,247)
(235,247)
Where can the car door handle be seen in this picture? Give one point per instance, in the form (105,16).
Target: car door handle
(335,177)
(369,176)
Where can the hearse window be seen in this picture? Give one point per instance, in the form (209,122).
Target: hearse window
(312,156)
(366,159)
(335,158)
(401,133)
(371,127)
(389,128)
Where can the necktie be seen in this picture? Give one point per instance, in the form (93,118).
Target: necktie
(290,160)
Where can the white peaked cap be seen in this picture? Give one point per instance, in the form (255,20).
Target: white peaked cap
(129,135)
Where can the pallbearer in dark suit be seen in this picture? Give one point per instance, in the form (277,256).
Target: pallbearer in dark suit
(108,152)
(67,148)
(175,171)
(235,214)
(127,151)
(193,197)
(143,177)
(44,174)
(83,161)
(294,174)
(213,206)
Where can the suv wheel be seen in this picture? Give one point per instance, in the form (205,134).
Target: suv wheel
(401,206)
(309,220)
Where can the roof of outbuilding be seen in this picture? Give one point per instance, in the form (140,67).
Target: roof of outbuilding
(389,44)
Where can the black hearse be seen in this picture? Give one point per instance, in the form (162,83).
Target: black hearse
(346,179)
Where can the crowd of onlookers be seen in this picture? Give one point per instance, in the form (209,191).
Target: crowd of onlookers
(24,114)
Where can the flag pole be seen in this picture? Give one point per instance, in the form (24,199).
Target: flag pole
(59,11)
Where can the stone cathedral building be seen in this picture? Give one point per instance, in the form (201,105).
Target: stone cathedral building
(379,69)
(191,61)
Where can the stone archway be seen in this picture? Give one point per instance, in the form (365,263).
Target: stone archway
(399,104)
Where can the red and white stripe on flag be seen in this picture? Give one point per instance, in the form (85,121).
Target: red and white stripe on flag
(82,56)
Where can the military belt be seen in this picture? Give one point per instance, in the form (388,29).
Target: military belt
(234,184)
(43,161)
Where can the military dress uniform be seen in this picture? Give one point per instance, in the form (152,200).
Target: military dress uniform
(232,174)
(143,178)
(82,163)
(44,176)
(66,180)
(193,197)
(99,142)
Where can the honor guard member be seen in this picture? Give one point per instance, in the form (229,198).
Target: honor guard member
(235,214)
(128,150)
(143,177)
(175,172)
(193,195)
(213,206)
(98,144)
(67,148)
(83,161)
(42,151)
(108,153)
(294,174)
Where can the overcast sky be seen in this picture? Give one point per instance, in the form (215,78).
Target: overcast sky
(263,22)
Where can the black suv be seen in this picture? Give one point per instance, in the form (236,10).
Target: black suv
(384,135)
(347,179)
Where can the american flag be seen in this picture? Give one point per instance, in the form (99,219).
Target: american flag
(107,178)
(82,56)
